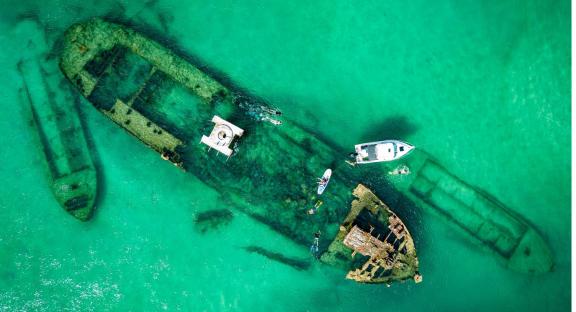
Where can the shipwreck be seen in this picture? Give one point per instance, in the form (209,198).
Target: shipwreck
(473,212)
(266,171)
(60,134)
(182,113)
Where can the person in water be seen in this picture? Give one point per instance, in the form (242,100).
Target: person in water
(312,211)
(272,121)
(401,170)
(353,161)
(315,245)
(259,112)
(271,111)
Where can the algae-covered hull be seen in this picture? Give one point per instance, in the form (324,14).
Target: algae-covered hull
(168,104)
(477,214)
(73,177)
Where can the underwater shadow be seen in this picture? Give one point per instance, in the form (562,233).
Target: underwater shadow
(212,220)
(394,127)
(298,264)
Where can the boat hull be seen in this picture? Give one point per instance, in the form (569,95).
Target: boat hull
(473,212)
(72,172)
(381,151)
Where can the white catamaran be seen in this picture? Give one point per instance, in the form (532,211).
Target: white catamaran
(387,150)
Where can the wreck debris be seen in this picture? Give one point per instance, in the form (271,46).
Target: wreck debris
(389,252)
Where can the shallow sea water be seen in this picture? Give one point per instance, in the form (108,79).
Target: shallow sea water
(482,86)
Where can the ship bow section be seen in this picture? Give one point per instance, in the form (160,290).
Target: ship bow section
(373,243)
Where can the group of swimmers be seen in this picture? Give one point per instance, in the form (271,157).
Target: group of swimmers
(314,249)
(259,111)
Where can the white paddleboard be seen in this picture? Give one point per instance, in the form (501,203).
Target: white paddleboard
(327,174)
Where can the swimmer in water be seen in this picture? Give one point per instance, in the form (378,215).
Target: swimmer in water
(400,170)
(272,121)
(271,111)
(315,209)
(259,112)
(315,245)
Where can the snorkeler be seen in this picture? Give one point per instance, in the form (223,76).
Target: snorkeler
(317,205)
(258,111)
(352,162)
(271,120)
(400,170)
(315,245)
(270,111)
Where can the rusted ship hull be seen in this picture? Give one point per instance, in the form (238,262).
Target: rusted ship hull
(386,254)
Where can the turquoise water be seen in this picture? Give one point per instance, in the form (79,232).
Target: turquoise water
(483,87)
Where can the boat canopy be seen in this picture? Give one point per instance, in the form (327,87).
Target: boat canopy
(222,136)
(385,151)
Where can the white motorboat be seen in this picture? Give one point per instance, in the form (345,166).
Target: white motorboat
(387,150)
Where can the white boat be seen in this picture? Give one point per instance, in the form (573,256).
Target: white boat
(387,150)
